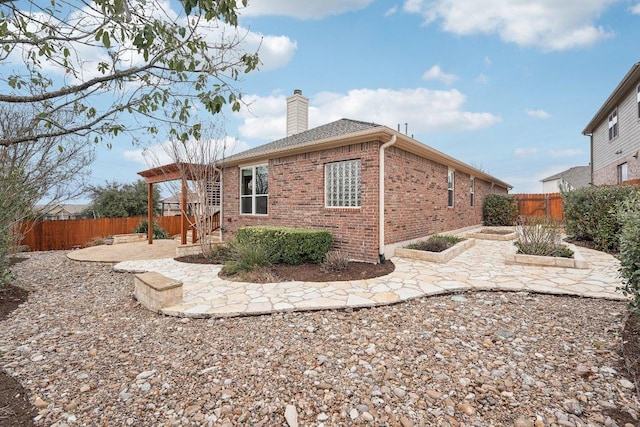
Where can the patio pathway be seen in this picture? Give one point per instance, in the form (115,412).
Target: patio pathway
(481,267)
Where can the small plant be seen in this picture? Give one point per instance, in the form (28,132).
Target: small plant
(158,232)
(246,258)
(540,236)
(335,261)
(628,214)
(500,210)
(220,253)
(436,243)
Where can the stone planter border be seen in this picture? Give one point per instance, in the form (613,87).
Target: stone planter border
(129,238)
(549,261)
(488,236)
(440,257)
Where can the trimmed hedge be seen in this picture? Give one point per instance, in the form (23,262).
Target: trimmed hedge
(289,245)
(500,210)
(629,218)
(590,214)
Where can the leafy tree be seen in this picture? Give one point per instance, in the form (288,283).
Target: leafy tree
(115,200)
(96,62)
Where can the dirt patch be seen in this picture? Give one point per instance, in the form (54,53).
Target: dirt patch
(631,348)
(15,408)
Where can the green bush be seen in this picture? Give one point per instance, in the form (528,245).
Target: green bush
(628,215)
(590,214)
(500,210)
(246,257)
(436,243)
(289,245)
(158,232)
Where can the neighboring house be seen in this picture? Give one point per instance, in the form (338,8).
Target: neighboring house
(570,179)
(615,133)
(372,187)
(61,211)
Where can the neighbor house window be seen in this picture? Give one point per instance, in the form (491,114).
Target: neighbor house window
(613,125)
(342,184)
(472,191)
(622,173)
(638,100)
(450,186)
(254,190)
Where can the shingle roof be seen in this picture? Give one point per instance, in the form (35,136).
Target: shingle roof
(577,176)
(330,130)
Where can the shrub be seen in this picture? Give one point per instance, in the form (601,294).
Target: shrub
(628,215)
(246,257)
(158,232)
(220,253)
(289,245)
(500,210)
(436,243)
(335,261)
(541,236)
(590,214)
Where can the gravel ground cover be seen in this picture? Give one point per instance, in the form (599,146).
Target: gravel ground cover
(88,354)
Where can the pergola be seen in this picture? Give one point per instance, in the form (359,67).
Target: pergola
(174,171)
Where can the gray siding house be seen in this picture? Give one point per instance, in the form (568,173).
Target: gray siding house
(615,133)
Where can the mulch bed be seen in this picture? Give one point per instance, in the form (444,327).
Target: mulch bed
(500,232)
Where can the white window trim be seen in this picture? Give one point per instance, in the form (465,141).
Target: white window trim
(472,191)
(326,185)
(452,189)
(623,166)
(253,190)
(613,124)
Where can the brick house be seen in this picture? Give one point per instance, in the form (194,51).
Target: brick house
(372,187)
(614,133)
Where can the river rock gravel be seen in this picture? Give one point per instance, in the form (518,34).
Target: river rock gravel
(89,354)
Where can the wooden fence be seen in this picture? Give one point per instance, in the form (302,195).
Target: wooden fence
(73,233)
(549,205)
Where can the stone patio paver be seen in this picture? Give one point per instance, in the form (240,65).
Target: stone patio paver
(481,267)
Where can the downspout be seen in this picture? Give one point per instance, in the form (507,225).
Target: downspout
(221,204)
(381,198)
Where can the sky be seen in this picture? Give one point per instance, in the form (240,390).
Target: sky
(506,86)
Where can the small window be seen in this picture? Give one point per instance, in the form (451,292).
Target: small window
(450,186)
(638,100)
(254,190)
(622,173)
(472,191)
(613,125)
(342,184)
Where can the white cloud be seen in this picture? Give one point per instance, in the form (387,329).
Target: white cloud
(487,61)
(538,114)
(436,73)
(566,153)
(425,111)
(391,11)
(549,24)
(635,9)
(526,152)
(302,9)
(482,78)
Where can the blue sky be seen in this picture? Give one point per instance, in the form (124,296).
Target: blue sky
(504,85)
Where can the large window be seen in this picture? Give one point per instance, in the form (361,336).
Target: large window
(450,186)
(613,125)
(622,173)
(254,190)
(342,184)
(472,192)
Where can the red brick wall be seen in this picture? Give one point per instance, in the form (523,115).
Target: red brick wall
(296,199)
(608,175)
(415,198)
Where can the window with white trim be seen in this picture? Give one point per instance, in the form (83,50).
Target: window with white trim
(254,190)
(342,184)
(622,173)
(472,191)
(450,187)
(638,100)
(613,124)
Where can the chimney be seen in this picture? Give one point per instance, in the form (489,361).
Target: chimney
(297,113)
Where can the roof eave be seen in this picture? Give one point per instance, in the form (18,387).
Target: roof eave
(618,93)
(381,133)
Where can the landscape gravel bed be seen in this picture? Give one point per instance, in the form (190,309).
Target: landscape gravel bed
(89,354)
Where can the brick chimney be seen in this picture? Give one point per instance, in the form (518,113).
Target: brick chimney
(297,113)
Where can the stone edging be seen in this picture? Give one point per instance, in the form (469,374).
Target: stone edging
(549,261)
(440,257)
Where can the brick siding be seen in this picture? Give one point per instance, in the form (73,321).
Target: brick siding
(415,198)
(608,175)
